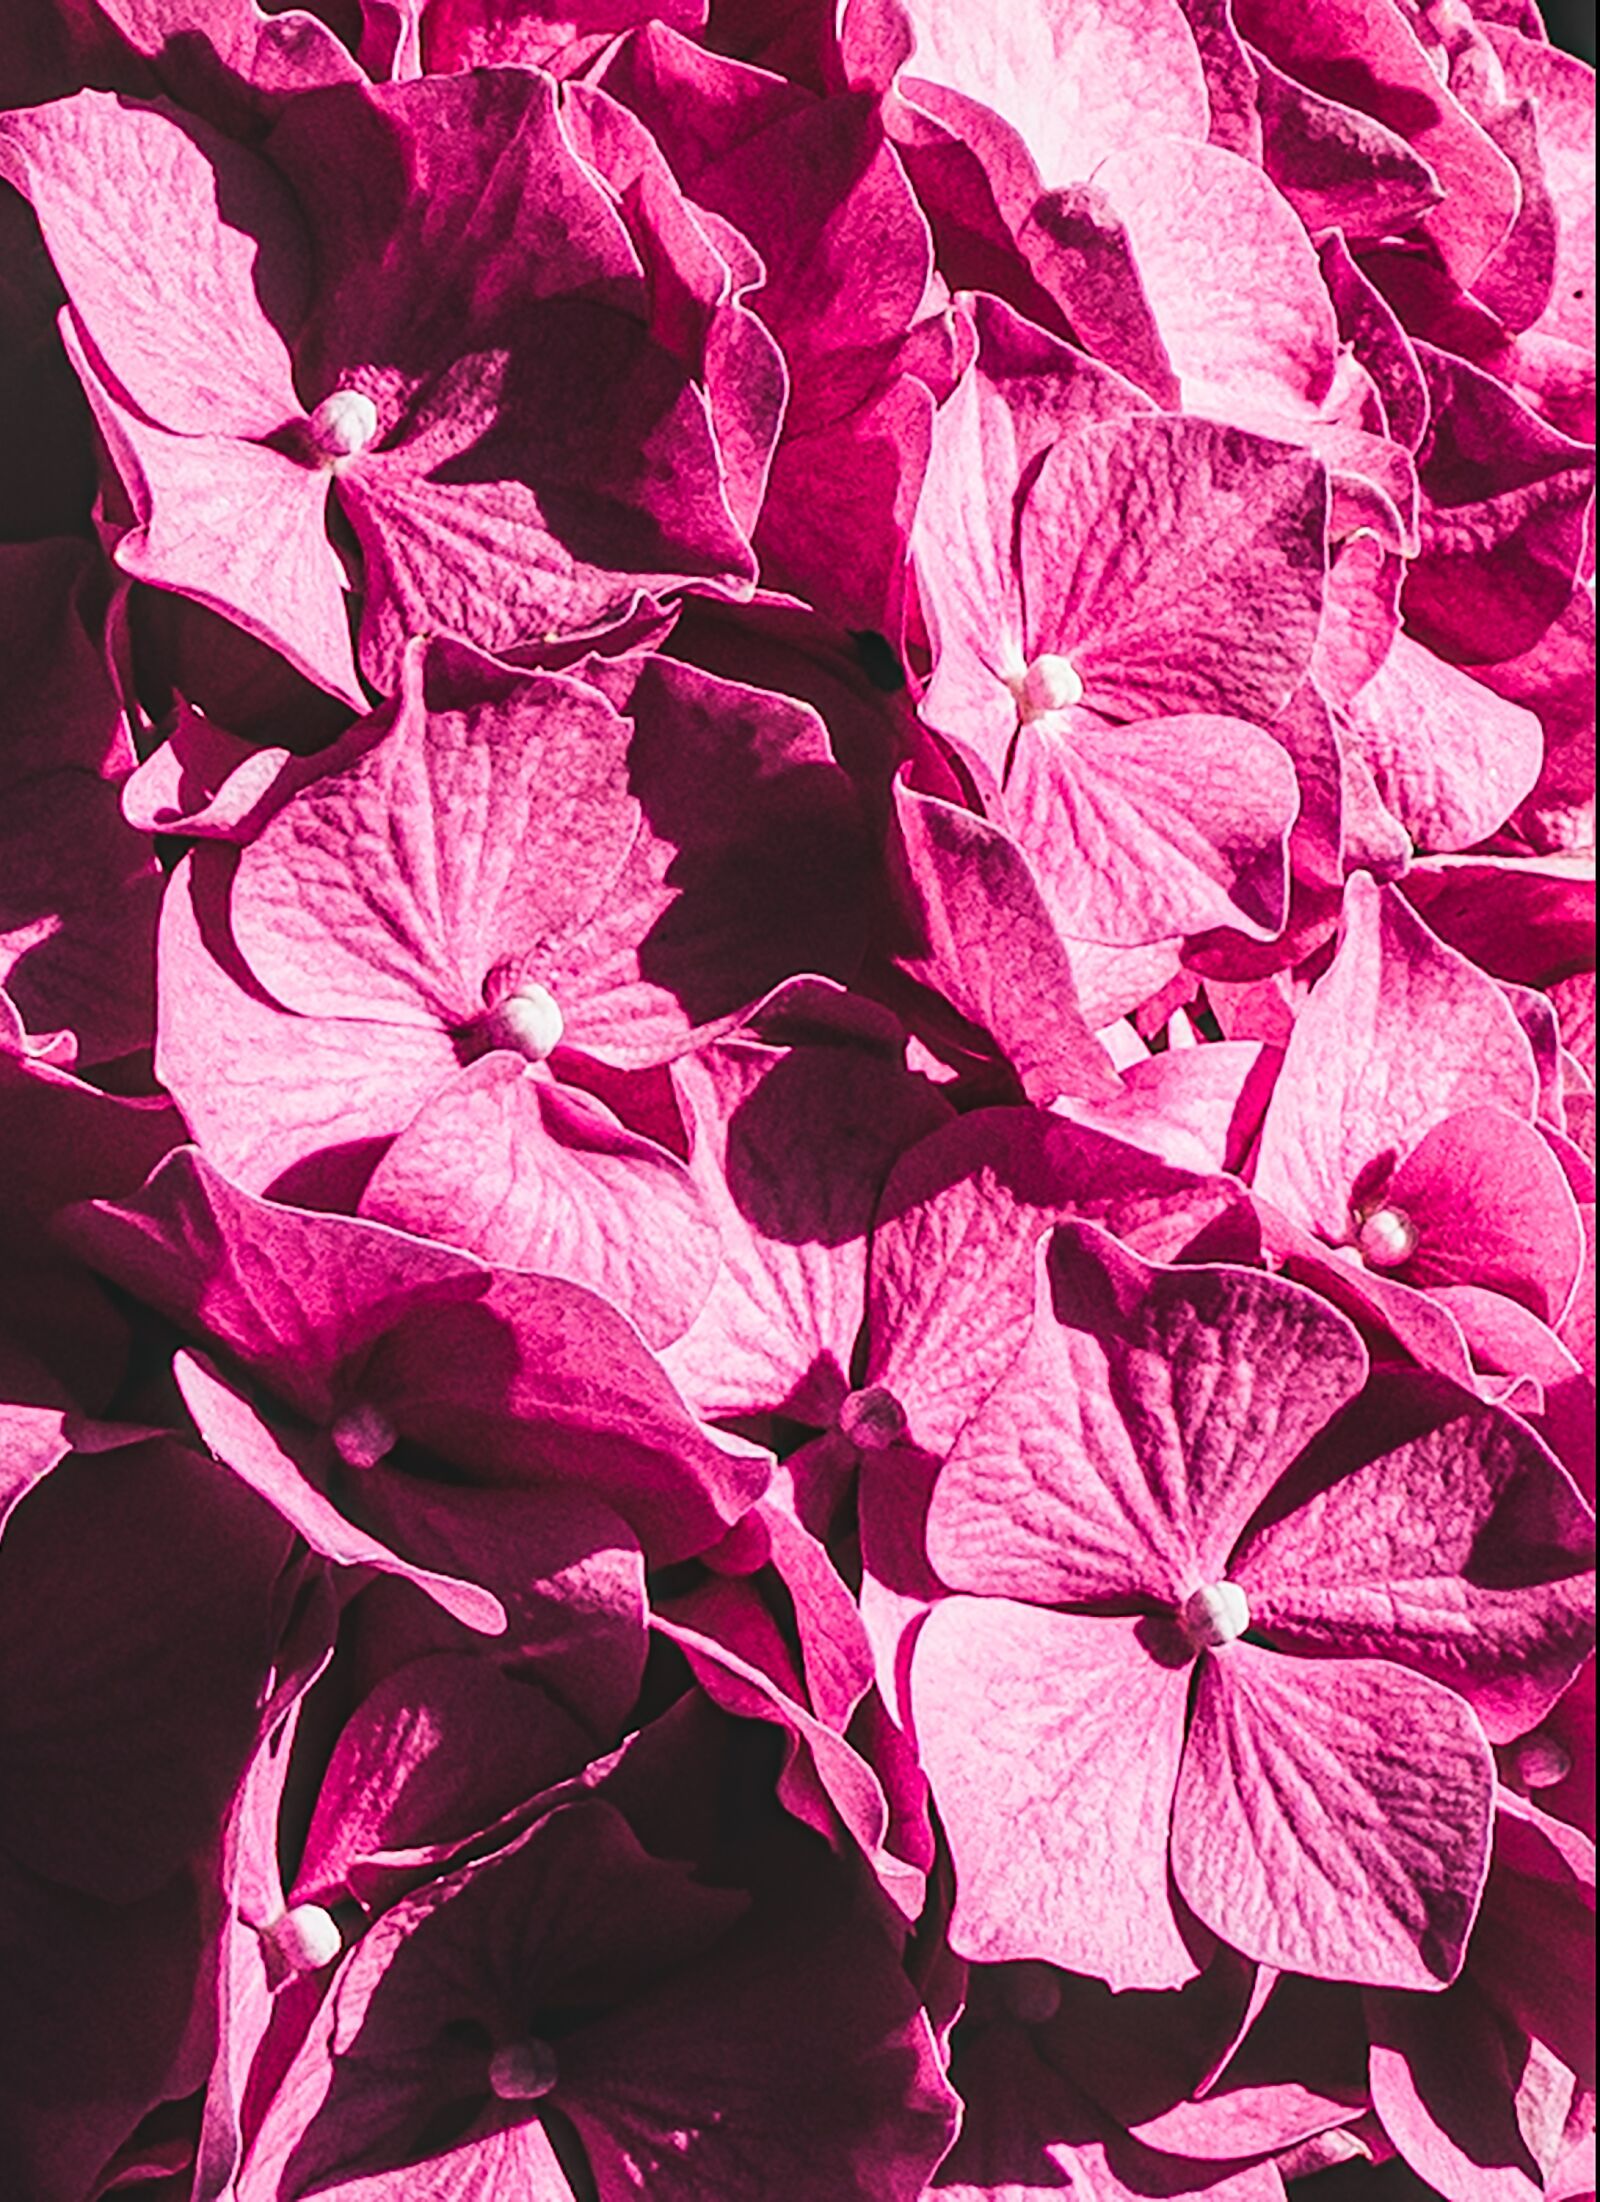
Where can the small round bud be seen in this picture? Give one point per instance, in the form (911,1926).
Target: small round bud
(528,1021)
(1030,1991)
(1050,684)
(1387,1238)
(305,1939)
(1540,1761)
(523,2071)
(872,1419)
(1215,1616)
(362,1436)
(343,424)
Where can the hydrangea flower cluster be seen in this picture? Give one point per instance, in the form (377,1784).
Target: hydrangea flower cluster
(797,1071)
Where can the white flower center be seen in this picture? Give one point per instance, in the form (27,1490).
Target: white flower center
(1387,1238)
(1050,683)
(305,1939)
(872,1419)
(344,423)
(363,1435)
(523,2071)
(528,1021)
(1215,1616)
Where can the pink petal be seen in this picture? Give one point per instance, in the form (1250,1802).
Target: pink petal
(1333,1818)
(1178,565)
(235,526)
(1074,80)
(1492,1209)
(1139,834)
(292,1104)
(953,1284)
(1440,1534)
(1451,759)
(1023,392)
(987,940)
(1338,168)
(1052,1744)
(1442,2084)
(529,1175)
(779,1326)
(1399,1034)
(291,1292)
(1144,1420)
(1334,46)
(183,255)
(535,761)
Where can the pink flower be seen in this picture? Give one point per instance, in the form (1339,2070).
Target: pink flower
(514,458)
(1130,1468)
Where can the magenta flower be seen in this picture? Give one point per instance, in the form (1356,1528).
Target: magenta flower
(1403,1132)
(515,457)
(699,2043)
(377,1341)
(367,943)
(1117,1520)
(1114,626)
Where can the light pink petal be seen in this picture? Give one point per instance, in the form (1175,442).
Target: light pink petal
(1140,834)
(203,780)
(1075,80)
(985,938)
(1333,1817)
(480,2167)
(529,1175)
(1178,565)
(1451,759)
(1399,1034)
(491,816)
(1052,1744)
(276,1100)
(183,255)
(1197,1108)
(235,526)
(1231,277)
(237,1435)
(1138,1429)
(1024,390)
(953,1284)
(1562,91)
(1492,1209)
(1440,1534)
